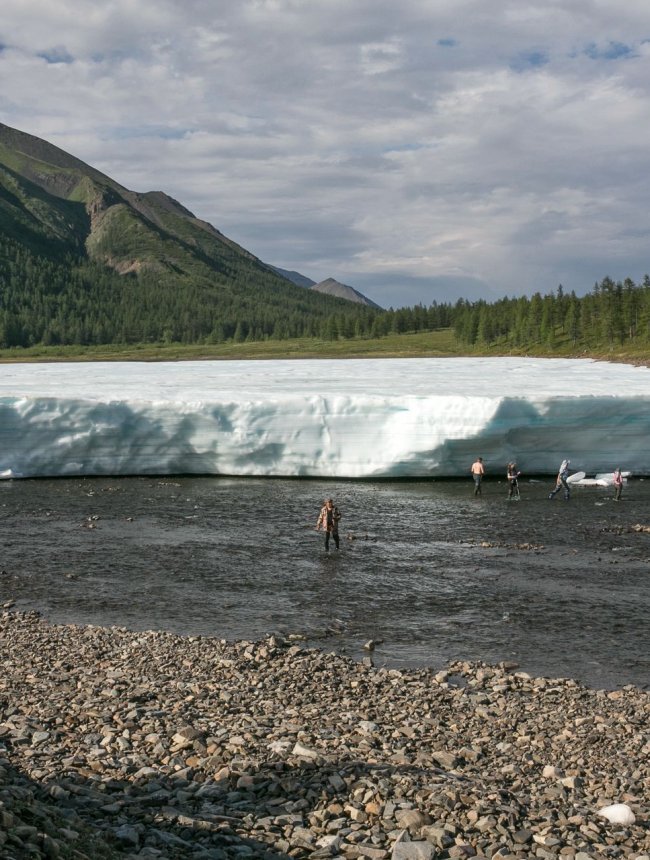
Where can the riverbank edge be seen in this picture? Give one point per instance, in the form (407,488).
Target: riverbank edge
(144,744)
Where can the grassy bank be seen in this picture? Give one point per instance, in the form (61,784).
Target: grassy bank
(435,344)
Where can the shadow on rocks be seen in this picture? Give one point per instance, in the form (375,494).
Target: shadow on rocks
(276,811)
(99,819)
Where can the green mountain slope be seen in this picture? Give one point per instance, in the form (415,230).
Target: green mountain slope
(85,260)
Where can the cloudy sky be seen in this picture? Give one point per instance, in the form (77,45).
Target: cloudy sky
(419,151)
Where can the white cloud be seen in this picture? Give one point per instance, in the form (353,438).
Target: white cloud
(419,150)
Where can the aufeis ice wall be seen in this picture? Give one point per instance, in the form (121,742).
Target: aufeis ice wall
(343,418)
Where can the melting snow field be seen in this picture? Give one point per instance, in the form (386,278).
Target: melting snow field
(354,418)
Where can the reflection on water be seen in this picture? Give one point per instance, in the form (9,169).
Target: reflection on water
(435,574)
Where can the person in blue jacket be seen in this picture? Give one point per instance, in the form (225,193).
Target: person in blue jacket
(561,481)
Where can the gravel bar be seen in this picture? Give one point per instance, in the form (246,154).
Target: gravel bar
(116,743)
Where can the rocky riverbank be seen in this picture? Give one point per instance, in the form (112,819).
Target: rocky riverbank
(117,743)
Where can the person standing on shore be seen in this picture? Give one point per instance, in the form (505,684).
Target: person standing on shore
(561,481)
(328,520)
(478,470)
(513,483)
(618,483)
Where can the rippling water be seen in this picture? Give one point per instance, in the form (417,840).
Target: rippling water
(562,588)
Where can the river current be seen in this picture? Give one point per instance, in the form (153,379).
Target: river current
(425,569)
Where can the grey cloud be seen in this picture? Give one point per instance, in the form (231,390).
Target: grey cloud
(56,55)
(299,240)
(468,145)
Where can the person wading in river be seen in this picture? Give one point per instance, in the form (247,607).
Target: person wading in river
(561,481)
(477,470)
(512,475)
(618,484)
(328,520)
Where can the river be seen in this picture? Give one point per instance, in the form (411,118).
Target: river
(426,570)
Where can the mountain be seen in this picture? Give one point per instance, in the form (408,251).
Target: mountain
(331,287)
(85,260)
(295,277)
(55,199)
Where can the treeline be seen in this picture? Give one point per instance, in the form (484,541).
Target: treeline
(383,323)
(68,300)
(613,313)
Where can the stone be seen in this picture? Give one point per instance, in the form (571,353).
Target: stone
(572,782)
(413,851)
(445,759)
(411,819)
(372,852)
(552,772)
(438,836)
(522,837)
(618,813)
(336,781)
(128,835)
(304,752)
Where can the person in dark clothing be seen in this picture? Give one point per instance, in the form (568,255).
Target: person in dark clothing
(328,520)
(513,483)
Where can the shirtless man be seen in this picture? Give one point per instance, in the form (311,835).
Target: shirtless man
(478,470)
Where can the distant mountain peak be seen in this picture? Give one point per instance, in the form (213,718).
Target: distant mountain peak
(332,287)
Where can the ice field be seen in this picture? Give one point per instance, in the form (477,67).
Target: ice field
(354,418)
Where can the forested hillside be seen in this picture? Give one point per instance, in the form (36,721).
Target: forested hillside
(68,299)
(84,260)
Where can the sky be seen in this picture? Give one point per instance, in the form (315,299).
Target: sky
(418,151)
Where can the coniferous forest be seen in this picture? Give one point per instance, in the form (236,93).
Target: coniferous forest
(613,314)
(74,301)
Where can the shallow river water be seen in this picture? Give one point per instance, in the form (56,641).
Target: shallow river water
(425,569)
